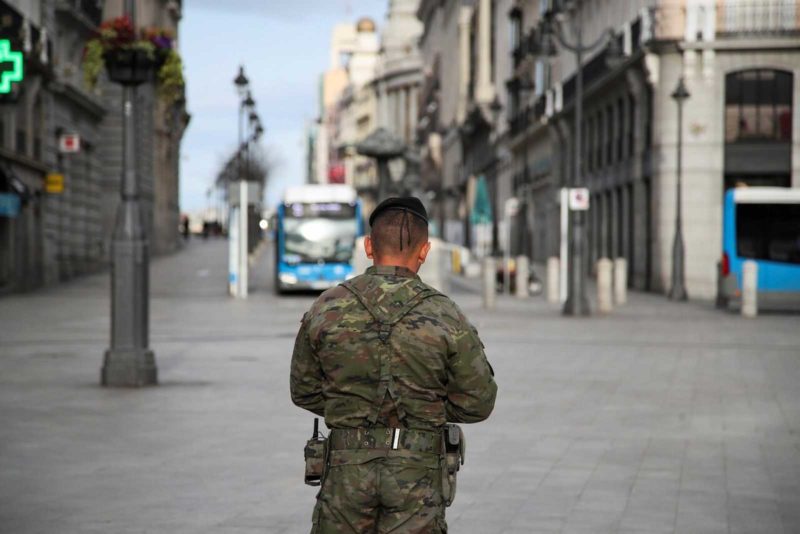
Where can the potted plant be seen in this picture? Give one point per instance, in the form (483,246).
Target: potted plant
(132,58)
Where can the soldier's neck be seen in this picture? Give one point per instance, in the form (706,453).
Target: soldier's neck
(412,264)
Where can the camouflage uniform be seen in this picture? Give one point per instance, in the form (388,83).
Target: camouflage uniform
(429,369)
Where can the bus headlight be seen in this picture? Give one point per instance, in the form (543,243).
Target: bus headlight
(287,278)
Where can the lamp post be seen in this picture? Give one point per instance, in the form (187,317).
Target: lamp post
(577,302)
(129,360)
(677,289)
(238,268)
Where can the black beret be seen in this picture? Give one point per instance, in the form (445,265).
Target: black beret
(411,205)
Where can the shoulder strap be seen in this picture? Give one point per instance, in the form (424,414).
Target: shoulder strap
(387,324)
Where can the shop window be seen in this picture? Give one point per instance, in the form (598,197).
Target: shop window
(758,106)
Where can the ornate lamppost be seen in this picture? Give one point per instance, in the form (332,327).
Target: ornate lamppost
(238,266)
(677,290)
(542,44)
(129,362)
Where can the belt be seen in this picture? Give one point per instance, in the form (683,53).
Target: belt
(386,438)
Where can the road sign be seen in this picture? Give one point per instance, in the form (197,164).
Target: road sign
(16,73)
(54,183)
(69,143)
(578,199)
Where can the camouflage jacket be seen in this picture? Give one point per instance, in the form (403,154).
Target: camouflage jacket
(431,368)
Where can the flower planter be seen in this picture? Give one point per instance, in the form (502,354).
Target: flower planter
(131,67)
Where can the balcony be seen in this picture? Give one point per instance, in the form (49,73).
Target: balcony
(87,12)
(765,18)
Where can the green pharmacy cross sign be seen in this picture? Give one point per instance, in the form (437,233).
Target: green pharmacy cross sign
(8,77)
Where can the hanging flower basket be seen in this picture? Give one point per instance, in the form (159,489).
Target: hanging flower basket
(130,67)
(133,59)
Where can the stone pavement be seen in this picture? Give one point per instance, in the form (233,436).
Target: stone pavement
(662,417)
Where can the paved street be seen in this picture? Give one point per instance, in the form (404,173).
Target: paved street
(660,418)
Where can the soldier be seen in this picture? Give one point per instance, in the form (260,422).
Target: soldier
(388,361)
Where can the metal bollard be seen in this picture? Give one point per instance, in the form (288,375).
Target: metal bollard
(522,277)
(489,281)
(620,281)
(749,289)
(553,287)
(604,290)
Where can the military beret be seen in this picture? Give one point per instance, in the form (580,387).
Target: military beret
(411,205)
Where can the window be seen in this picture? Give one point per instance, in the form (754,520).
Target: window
(768,232)
(598,147)
(758,106)
(620,128)
(631,125)
(609,136)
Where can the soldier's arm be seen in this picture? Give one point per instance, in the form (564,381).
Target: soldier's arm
(305,380)
(471,389)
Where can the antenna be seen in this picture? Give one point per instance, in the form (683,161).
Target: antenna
(348,8)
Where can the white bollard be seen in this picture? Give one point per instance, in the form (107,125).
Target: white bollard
(604,297)
(522,277)
(489,281)
(553,286)
(620,281)
(749,289)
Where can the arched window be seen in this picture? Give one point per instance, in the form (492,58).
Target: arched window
(758,106)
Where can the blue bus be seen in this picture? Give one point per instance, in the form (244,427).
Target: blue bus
(315,233)
(761,224)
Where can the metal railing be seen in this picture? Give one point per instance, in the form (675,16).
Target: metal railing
(766,17)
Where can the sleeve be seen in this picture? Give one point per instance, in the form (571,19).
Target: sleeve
(305,380)
(471,389)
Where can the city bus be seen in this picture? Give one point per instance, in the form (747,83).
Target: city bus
(316,227)
(761,224)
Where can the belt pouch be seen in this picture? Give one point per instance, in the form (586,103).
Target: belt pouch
(454,445)
(316,453)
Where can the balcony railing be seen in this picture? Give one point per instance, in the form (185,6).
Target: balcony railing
(767,17)
(90,10)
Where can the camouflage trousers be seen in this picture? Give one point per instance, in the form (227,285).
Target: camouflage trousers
(372,492)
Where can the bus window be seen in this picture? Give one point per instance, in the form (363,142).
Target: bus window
(768,232)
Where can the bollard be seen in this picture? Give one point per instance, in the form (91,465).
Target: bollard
(604,296)
(489,278)
(749,289)
(522,277)
(553,287)
(620,281)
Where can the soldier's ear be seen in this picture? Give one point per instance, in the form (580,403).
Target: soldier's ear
(423,252)
(368,246)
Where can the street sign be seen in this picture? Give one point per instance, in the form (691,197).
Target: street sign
(579,199)
(69,143)
(16,73)
(9,205)
(54,183)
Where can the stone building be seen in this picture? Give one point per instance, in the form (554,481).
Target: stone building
(376,88)
(57,236)
(739,60)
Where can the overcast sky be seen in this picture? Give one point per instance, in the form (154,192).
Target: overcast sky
(283,45)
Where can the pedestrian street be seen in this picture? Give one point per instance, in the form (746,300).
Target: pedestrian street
(660,417)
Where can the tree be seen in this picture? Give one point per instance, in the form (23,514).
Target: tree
(257,166)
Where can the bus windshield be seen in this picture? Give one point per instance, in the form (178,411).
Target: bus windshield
(319,239)
(768,232)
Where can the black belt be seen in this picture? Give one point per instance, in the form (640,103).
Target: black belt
(386,438)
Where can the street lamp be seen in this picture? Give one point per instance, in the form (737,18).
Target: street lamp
(129,360)
(677,290)
(238,267)
(542,44)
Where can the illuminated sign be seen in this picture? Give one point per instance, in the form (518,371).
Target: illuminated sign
(9,77)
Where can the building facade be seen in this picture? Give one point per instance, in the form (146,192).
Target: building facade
(57,235)
(739,60)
